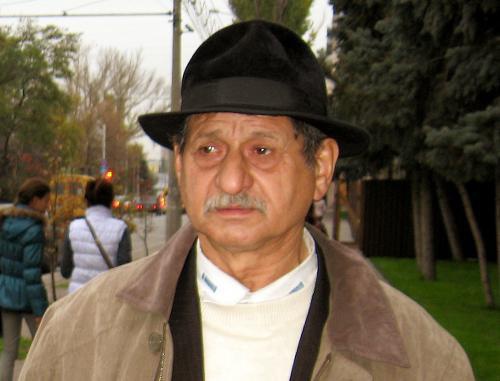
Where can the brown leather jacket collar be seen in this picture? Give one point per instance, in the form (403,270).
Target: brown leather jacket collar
(361,320)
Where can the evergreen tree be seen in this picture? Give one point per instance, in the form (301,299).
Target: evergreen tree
(461,139)
(411,72)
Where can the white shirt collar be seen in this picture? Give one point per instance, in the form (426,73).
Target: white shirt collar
(215,286)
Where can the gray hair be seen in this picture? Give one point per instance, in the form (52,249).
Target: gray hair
(244,200)
(312,138)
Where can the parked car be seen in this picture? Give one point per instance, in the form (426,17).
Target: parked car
(121,204)
(150,204)
(139,204)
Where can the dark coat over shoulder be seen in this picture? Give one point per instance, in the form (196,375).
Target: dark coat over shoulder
(21,252)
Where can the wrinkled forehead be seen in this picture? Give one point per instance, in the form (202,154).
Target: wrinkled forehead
(231,124)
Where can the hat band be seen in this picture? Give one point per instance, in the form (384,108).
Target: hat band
(248,93)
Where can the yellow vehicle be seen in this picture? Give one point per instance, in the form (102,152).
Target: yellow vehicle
(67,200)
(161,202)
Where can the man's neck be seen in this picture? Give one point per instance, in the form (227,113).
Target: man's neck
(260,267)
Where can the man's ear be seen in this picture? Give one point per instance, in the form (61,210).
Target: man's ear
(325,159)
(178,163)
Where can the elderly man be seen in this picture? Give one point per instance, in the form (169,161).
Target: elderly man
(247,291)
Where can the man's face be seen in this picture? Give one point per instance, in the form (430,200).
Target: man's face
(244,180)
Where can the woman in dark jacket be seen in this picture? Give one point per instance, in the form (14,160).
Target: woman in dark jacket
(22,294)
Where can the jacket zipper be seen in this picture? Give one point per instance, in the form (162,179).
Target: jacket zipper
(161,365)
(324,366)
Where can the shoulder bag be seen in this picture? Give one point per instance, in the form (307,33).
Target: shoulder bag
(99,245)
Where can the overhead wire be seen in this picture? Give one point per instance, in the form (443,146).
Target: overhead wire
(65,13)
(85,5)
(205,20)
(17,2)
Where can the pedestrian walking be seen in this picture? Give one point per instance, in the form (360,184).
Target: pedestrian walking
(22,294)
(97,242)
(246,291)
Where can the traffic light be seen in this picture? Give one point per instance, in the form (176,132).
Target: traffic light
(108,175)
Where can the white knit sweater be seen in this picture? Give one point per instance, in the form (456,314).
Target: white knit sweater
(249,342)
(253,335)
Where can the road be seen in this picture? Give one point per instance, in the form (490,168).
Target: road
(149,235)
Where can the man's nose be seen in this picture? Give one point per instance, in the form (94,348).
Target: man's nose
(233,174)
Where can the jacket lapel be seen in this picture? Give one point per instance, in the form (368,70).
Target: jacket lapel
(307,351)
(185,325)
(153,289)
(361,320)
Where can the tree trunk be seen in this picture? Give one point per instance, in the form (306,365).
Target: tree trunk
(256,4)
(335,210)
(428,262)
(449,220)
(478,241)
(352,214)
(4,160)
(361,212)
(415,202)
(146,231)
(279,10)
(497,221)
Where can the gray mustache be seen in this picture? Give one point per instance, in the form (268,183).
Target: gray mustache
(243,200)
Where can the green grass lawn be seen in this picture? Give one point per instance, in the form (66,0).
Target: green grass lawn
(456,301)
(24,346)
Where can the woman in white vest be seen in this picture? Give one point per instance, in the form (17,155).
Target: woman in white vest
(91,239)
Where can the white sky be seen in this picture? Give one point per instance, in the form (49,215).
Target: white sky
(152,35)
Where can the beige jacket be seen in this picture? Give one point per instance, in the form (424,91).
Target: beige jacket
(116,328)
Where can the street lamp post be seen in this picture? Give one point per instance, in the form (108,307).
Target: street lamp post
(104,165)
(104,142)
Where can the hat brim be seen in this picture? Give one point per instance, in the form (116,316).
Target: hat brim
(352,140)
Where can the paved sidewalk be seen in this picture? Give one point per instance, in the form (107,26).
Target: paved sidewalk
(61,290)
(345,235)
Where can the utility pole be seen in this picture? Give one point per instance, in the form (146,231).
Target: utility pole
(104,142)
(174,209)
(103,167)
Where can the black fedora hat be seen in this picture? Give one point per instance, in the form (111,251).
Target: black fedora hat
(255,67)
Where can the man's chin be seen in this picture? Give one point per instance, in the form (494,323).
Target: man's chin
(232,238)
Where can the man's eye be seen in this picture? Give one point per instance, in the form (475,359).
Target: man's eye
(262,151)
(208,149)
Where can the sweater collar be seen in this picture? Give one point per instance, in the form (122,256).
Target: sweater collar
(216,286)
(361,320)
